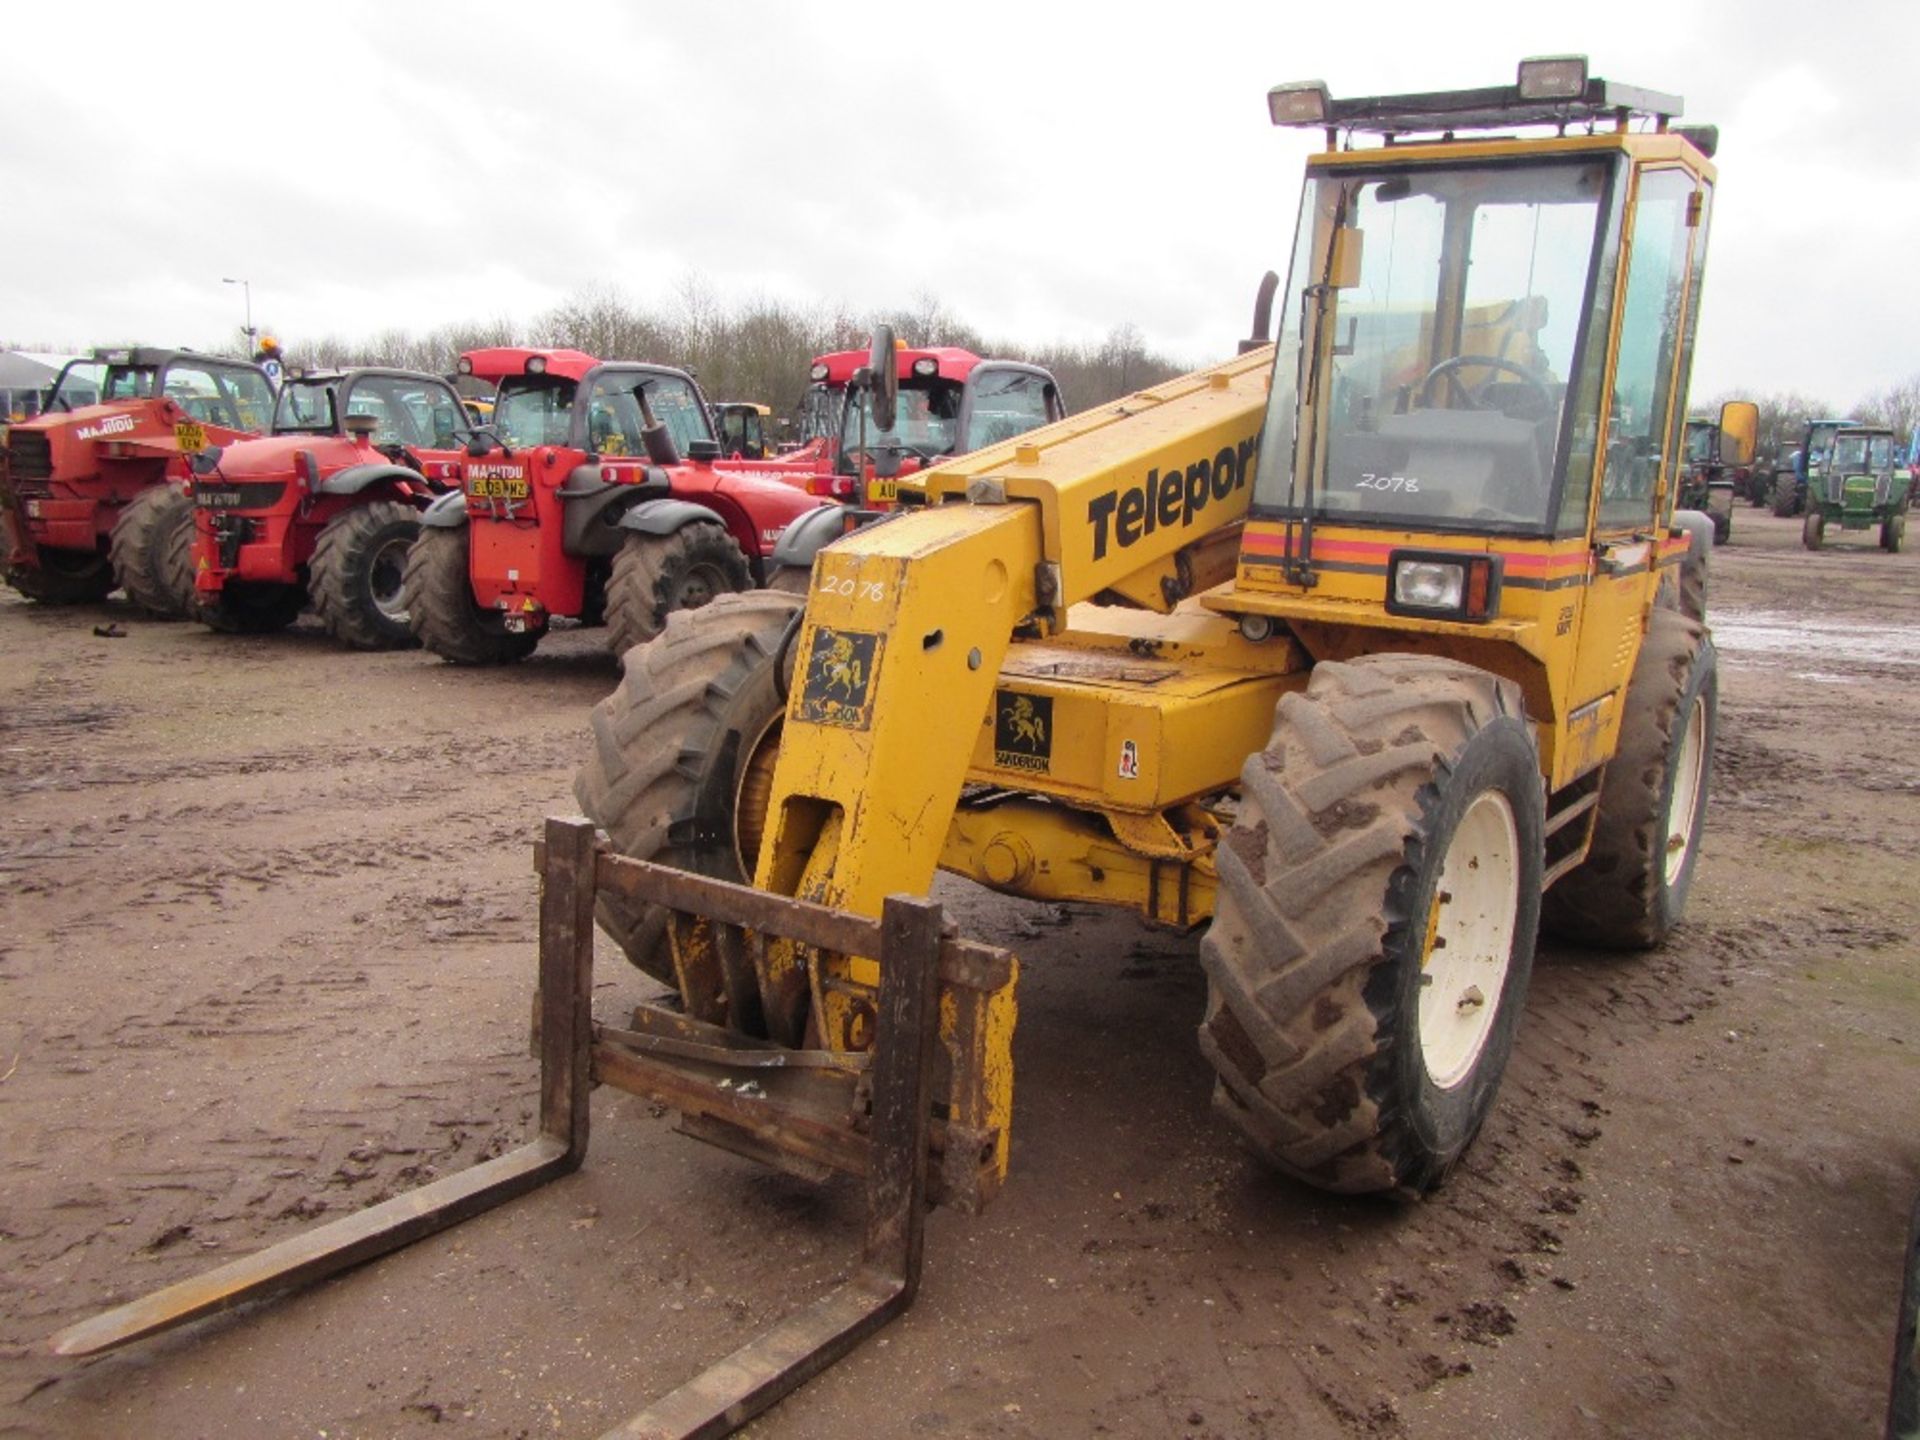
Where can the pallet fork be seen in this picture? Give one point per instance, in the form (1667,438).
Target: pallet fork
(694,1068)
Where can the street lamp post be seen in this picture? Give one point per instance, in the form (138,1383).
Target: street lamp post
(246,287)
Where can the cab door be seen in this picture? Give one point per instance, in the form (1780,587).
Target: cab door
(1641,440)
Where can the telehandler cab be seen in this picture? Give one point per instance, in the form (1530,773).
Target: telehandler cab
(89,488)
(595,492)
(948,401)
(1351,645)
(324,509)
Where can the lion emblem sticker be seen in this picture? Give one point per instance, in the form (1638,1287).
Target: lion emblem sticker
(1022,731)
(838,688)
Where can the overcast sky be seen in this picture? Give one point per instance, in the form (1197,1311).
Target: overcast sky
(1048,171)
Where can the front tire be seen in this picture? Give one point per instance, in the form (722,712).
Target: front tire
(1374,932)
(682,759)
(1813,530)
(438,598)
(655,575)
(248,607)
(1631,890)
(144,551)
(1893,533)
(359,574)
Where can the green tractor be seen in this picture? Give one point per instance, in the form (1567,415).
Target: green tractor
(1856,485)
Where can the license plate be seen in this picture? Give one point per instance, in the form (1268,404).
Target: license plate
(191,435)
(499,487)
(879,490)
(216,499)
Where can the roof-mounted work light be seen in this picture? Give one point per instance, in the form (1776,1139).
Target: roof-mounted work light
(1553,77)
(1304,102)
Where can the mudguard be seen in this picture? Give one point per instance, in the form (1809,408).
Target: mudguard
(592,515)
(355,478)
(804,537)
(663,517)
(448,512)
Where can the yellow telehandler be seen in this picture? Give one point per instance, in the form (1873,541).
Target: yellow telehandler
(1373,650)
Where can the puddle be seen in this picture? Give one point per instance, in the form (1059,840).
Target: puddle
(1772,637)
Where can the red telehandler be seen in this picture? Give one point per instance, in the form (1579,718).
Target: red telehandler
(89,498)
(325,509)
(597,492)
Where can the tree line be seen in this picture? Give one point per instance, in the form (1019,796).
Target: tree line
(755,350)
(1784,414)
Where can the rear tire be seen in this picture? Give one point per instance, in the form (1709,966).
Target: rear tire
(64,577)
(1631,890)
(655,575)
(441,612)
(1813,529)
(143,551)
(1398,805)
(249,607)
(1786,496)
(697,713)
(359,573)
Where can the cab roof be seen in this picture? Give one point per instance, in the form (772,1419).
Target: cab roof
(951,363)
(497,362)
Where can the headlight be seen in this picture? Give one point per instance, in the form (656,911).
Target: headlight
(819,371)
(536,365)
(466,365)
(926,365)
(1447,587)
(1429,585)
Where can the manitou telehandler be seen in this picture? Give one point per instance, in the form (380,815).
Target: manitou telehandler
(1350,649)
(949,402)
(89,497)
(325,509)
(595,492)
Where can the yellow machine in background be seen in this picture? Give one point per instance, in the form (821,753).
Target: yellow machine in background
(1349,646)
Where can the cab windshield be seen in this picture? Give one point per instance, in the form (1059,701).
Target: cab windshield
(534,410)
(1431,387)
(1860,454)
(305,406)
(925,425)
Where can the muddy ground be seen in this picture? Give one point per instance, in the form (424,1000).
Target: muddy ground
(266,942)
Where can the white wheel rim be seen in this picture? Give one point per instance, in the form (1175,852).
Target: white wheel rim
(1683,806)
(1469,942)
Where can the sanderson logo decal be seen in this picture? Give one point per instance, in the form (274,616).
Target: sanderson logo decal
(838,684)
(1022,731)
(1174,498)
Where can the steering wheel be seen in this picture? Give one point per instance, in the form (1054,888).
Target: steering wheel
(1475,397)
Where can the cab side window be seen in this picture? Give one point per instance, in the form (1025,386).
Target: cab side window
(1641,428)
(1006,404)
